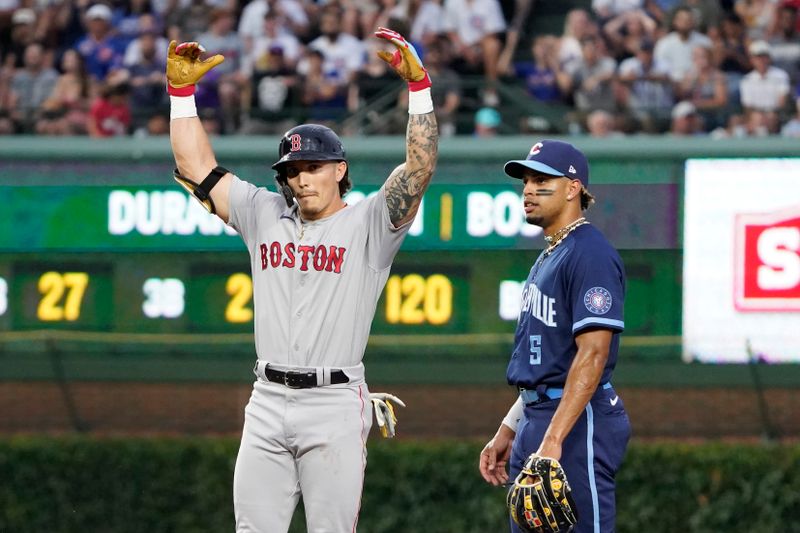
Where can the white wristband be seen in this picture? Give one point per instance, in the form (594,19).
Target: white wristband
(514,415)
(182,107)
(420,102)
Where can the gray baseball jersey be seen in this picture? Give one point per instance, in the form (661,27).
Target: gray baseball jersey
(315,284)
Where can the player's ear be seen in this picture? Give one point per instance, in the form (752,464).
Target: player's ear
(574,189)
(341,170)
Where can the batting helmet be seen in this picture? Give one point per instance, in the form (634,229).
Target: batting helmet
(311,142)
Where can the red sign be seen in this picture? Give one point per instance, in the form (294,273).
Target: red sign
(767,272)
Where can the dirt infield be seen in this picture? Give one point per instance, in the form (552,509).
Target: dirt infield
(433,412)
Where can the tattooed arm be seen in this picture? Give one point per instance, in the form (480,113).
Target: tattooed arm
(408,182)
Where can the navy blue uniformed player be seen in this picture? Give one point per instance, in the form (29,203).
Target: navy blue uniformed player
(566,343)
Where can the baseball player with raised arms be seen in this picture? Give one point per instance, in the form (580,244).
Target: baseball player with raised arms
(318,268)
(566,343)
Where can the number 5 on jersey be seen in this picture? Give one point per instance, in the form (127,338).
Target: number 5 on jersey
(536,349)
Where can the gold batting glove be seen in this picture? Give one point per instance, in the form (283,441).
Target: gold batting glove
(384,412)
(185,68)
(405,61)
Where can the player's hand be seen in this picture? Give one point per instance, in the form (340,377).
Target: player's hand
(495,455)
(405,61)
(384,412)
(550,450)
(185,68)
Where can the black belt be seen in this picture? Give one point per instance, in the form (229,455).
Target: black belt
(302,380)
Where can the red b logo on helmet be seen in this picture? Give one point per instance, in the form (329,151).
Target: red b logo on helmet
(295,140)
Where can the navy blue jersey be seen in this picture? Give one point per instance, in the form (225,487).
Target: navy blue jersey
(579,285)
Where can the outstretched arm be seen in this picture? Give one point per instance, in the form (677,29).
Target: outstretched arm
(408,182)
(190,145)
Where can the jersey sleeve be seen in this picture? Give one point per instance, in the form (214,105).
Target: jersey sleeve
(597,290)
(383,239)
(247,203)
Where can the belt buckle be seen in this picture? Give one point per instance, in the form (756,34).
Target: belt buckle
(287,380)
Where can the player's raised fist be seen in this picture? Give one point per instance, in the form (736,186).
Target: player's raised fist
(405,61)
(185,68)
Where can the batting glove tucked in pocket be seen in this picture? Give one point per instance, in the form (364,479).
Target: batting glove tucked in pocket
(384,412)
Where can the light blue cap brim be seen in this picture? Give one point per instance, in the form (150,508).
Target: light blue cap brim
(516,168)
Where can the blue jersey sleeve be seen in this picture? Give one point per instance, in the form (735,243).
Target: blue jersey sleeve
(597,290)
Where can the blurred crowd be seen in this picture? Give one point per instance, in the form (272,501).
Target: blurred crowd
(686,67)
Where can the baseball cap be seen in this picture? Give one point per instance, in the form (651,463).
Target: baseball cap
(759,48)
(23,15)
(556,158)
(488,117)
(99,11)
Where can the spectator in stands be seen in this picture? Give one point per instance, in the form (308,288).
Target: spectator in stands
(577,26)
(522,9)
(675,48)
(592,81)
(627,31)
(610,9)
(487,122)
(601,124)
(6,124)
(730,50)
(222,39)
(424,18)
(292,15)
(147,81)
(23,33)
(110,114)
(375,81)
(784,41)
(276,36)
(148,28)
(757,16)
(384,18)
(186,23)
(474,27)
(126,18)
(705,87)
(446,90)
(274,85)
(30,87)
(539,75)
(100,49)
(765,88)
(343,54)
(706,13)
(645,89)
(792,127)
(685,120)
(322,92)
(66,109)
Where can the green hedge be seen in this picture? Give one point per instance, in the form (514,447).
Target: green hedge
(116,485)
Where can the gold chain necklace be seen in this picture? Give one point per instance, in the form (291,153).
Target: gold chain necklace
(559,236)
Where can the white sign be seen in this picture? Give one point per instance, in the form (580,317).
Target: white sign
(741,260)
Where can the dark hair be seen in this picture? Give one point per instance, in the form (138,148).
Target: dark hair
(587,199)
(345,184)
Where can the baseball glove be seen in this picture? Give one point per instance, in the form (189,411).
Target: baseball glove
(384,412)
(540,500)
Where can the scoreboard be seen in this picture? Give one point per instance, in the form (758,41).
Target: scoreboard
(150,259)
(213,292)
